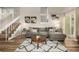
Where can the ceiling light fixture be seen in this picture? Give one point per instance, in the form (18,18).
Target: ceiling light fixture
(54,15)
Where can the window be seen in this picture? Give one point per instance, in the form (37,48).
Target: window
(43,14)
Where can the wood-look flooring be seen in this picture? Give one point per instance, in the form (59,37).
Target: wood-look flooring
(11,45)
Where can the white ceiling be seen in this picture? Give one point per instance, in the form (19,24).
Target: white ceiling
(59,10)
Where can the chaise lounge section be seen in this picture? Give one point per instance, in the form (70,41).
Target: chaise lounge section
(57,36)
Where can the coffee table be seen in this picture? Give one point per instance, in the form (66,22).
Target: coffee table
(38,39)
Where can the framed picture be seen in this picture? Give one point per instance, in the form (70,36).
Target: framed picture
(33,19)
(27,19)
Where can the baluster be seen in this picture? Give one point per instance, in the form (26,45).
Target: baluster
(6,35)
(10,29)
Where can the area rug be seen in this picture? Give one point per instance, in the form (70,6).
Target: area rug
(51,46)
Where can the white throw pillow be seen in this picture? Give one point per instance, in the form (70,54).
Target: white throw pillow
(52,30)
(34,30)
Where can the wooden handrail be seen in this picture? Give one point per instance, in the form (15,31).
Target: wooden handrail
(4,28)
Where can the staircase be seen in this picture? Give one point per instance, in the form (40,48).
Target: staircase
(16,32)
(7,33)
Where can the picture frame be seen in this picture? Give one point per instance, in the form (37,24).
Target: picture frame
(27,19)
(33,19)
(30,19)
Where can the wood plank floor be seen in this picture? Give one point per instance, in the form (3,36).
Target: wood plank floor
(11,45)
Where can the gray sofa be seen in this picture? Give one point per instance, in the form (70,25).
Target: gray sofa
(56,36)
(35,31)
(52,35)
(43,31)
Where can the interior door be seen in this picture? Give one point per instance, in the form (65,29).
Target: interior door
(67,25)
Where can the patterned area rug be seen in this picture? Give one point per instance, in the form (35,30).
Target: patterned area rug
(51,46)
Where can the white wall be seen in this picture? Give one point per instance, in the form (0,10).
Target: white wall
(34,11)
(29,11)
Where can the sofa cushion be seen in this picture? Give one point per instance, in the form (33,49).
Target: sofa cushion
(34,30)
